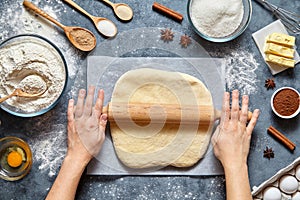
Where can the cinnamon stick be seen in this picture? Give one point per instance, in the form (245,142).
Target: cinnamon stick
(167,11)
(282,138)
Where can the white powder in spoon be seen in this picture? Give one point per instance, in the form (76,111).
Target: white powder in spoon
(107,28)
(33,84)
(217,18)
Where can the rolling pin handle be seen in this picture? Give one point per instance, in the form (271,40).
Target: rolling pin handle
(105,109)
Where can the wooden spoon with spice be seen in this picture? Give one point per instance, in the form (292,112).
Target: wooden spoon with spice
(106,27)
(81,38)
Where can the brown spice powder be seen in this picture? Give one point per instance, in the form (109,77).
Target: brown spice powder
(286,102)
(83,38)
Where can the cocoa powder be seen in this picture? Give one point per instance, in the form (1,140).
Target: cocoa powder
(286,102)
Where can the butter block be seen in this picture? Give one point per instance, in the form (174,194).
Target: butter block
(272,48)
(282,39)
(281,61)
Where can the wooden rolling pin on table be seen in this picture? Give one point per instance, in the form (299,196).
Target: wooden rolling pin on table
(162,113)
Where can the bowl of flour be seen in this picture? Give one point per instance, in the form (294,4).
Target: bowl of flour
(33,64)
(219,20)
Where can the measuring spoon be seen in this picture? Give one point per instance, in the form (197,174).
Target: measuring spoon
(103,25)
(81,38)
(122,10)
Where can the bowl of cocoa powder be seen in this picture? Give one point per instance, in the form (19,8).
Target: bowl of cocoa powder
(285,102)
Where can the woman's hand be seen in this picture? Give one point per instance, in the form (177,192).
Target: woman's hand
(232,137)
(86,126)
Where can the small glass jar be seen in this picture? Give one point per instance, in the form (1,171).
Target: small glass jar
(15,158)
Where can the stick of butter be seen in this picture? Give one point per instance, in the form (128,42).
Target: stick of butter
(282,39)
(281,61)
(272,48)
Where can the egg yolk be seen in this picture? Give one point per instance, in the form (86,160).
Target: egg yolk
(14,159)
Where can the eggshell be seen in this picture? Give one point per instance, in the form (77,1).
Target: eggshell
(298,172)
(288,184)
(272,193)
(296,196)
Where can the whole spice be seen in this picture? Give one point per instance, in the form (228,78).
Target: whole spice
(270,84)
(268,153)
(166,35)
(167,11)
(281,138)
(286,102)
(185,40)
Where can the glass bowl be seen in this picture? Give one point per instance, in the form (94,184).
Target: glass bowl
(22,56)
(14,144)
(241,28)
(285,102)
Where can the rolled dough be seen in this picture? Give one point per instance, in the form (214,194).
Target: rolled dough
(159,145)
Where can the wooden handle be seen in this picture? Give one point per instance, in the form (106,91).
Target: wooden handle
(72,3)
(109,3)
(8,96)
(39,11)
(145,113)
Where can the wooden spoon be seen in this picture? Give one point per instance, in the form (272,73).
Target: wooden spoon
(106,27)
(81,38)
(20,93)
(122,10)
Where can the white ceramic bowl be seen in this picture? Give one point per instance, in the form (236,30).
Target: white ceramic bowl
(241,28)
(272,103)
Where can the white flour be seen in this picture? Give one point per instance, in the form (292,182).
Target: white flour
(239,69)
(49,149)
(217,18)
(33,84)
(15,19)
(31,57)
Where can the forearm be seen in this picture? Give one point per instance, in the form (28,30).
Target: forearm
(66,182)
(237,183)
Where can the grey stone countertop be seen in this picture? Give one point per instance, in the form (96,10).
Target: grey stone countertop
(47,134)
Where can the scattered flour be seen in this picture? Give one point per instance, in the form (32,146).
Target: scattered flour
(217,18)
(46,152)
(239,69)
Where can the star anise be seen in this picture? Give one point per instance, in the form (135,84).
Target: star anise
(268,153)
(270,83)
(166,35)
(185,40)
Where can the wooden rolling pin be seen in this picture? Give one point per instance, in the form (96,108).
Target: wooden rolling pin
(140,113)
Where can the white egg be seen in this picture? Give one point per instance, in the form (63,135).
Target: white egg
(272,193)
(296,196)
(298,172)
(288,184)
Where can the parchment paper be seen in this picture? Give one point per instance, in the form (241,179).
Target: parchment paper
(104,71)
